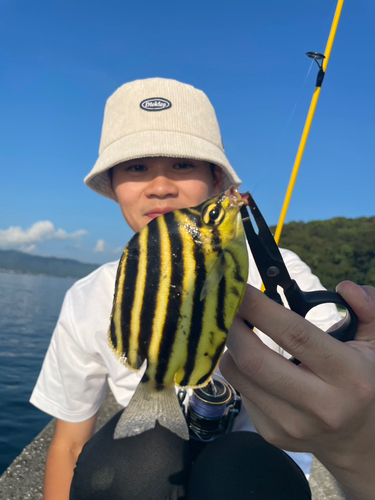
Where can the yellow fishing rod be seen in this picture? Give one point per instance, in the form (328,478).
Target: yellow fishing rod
(322,62)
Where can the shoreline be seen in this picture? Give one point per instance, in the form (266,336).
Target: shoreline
(16,271)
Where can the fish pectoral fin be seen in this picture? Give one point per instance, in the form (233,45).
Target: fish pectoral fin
(149,405)
(214,276)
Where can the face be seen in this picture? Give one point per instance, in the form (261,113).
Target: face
(148,187)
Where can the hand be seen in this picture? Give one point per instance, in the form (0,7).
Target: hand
(326,405)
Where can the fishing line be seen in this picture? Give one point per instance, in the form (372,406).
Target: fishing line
(283,132)
(298,99)
(308,71)
(327,23)
(329,18)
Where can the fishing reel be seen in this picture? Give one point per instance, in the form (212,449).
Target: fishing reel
(211,410)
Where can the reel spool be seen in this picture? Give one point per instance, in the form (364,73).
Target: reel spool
(211,410)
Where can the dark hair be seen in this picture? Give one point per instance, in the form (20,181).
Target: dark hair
(213,167)
(110,175)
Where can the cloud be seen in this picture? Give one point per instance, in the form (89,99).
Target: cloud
(118,250)
(41,231)
(100,246)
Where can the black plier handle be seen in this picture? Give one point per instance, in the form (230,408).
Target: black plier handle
(274,273)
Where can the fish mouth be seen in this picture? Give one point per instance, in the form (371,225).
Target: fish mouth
(236,199)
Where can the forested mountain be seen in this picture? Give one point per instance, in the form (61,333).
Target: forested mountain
(335,249)
(21,262)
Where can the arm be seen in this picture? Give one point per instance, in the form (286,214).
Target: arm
(326,405)
(65,447)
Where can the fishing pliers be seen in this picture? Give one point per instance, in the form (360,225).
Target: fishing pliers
(274,273)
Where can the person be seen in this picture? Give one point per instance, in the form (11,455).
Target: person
(160,149)
(327,404)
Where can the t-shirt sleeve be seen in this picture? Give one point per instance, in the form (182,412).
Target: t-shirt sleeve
(324,315)
(72,383)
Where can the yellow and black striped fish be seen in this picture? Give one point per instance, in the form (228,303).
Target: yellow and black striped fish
(179,284)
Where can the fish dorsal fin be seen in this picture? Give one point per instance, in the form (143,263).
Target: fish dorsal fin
(214,276)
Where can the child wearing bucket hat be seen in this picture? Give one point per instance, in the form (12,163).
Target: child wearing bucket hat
(139,124)
(160,149)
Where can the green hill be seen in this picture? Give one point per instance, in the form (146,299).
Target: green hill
(21,262)
(335,249)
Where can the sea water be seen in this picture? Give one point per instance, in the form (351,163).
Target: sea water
(29,308)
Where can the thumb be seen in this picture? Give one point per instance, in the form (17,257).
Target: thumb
(362,301)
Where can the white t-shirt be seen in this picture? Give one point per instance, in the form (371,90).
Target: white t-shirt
(79,362)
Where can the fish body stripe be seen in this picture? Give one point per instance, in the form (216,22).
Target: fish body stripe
(216,239)
(151,289)
(174,301)
(238,274)
(123,305)
(133,356)
(162,297)
(116,337)
(197,314)
(220,309)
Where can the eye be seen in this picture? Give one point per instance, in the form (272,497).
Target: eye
(183,166)
(136,168)
(213,214)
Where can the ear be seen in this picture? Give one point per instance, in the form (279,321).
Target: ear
(218,180)
(110,185)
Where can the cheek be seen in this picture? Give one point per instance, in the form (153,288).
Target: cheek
(198,192)
(207,192)
(128,200)
(127,195)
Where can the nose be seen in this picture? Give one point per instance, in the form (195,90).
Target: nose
(161,187)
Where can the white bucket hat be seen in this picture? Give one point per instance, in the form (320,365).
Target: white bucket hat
(158,117)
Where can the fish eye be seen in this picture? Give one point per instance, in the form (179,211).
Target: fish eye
(213,214)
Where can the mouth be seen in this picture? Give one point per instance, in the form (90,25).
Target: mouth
(236,198)
(159,211)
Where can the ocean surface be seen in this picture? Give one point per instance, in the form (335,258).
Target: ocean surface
(29,308)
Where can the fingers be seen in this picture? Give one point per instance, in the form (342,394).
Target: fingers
(278,421)
(322,354)
(362,300)
(268,370)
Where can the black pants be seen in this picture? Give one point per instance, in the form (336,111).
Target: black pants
(158,465)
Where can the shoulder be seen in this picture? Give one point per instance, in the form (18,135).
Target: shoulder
(90,299)
(291,258)
(300,271)
(100,280)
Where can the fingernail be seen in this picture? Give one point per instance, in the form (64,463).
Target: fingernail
(365,293)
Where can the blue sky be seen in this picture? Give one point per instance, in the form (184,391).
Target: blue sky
(62,59)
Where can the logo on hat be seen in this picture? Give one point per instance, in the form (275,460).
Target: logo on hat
(155,104)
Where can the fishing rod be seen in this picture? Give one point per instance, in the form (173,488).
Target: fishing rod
(322,62)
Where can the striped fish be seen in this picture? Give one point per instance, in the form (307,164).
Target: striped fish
(179,284)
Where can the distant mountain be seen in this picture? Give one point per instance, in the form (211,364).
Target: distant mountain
(20,262)
(335,249)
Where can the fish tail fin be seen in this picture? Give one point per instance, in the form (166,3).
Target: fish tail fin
(149,405)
